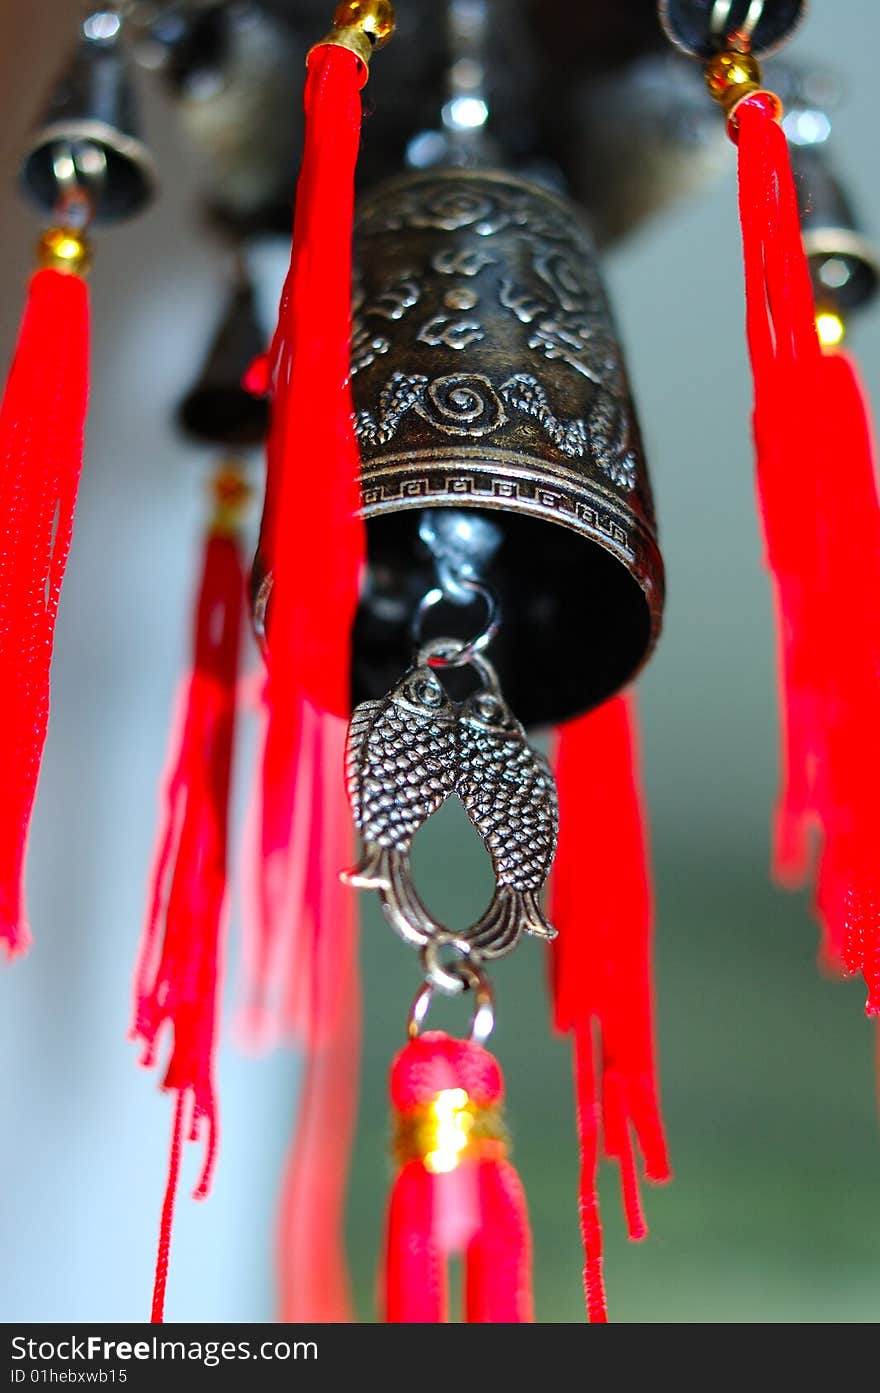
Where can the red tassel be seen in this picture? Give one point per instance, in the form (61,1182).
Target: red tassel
(847,629)
(415,1267)
(41,444)
(785,363)
(314,1282)
(178,971)
(277,917)
(601,905)
(821,518)
(455,1191)
(498,1261)
(321,1010)
(302,929)
(316,552)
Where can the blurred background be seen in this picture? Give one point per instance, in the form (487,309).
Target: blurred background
(767,1069)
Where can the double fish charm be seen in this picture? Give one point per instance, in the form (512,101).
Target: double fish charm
(410,752)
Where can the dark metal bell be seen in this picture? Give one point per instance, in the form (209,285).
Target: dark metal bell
(702,27)
(487,375)
(217,409)
(843,262)
(88,139)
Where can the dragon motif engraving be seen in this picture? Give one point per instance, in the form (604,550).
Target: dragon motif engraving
(397,397)
(453,333)
(391,302)
(514,253)
(522,392)
(468,404)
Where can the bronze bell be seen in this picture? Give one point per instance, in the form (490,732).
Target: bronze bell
(487,375)
(88,138)
(217,410)
(843,262)
(703,27)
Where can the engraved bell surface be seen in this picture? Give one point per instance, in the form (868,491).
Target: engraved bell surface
(486,373)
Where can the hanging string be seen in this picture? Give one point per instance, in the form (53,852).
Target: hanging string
(166,1222)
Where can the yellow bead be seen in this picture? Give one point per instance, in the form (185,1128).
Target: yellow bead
(232,496)
(64,249)
(375,18)
(727,71)
(830,328)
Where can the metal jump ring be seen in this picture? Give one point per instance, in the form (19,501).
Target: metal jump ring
(469,648)
(483,1019)
(453,978)
(451,652)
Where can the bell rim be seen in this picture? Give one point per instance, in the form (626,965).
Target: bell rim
(822,242)
(706,50)
(650,576)
(128,147)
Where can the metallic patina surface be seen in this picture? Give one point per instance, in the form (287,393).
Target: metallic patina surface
(486,373)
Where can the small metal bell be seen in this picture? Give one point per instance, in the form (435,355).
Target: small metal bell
(701,28)
(217,409)
(487,374)
(843,262)
(88,140)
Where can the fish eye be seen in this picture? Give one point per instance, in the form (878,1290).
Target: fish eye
(427,692)
(488,708)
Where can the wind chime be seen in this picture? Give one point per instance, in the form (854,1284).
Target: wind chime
(458,543)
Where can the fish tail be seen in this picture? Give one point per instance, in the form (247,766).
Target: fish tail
(511,913)
(534,921)
(373,871)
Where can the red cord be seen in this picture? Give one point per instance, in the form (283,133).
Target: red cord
(166,1223)
(587,1115)
(601,905)
(41,443)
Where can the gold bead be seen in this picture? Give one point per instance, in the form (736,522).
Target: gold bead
(360,26)
(375,18)
(450,1129)
(231,494)
(64,249)
(830,327)
(728,71)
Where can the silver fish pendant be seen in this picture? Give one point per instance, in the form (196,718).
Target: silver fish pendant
(406,755)
(400,768)
(509,794)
